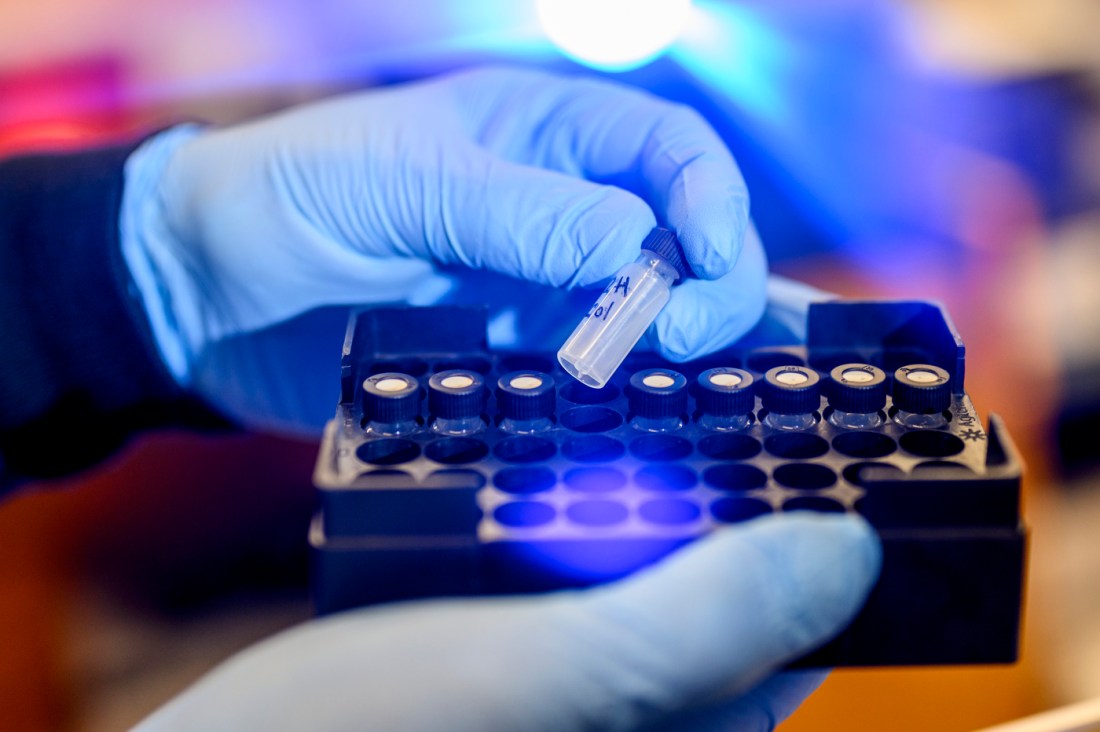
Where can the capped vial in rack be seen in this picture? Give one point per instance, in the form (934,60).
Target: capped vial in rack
(790,396)
(922,396)
(658,399)
(627,307)
(526,402)
(456,399)
(856,394)
(391,402)
(726,399)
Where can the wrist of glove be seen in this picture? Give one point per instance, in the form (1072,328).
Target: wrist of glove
(694,643)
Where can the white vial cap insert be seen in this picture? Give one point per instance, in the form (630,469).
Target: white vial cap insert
(525,382)
(458,381)
(792,378)
(857,376)
(391,385)
(725,379)
(658,381)
(921,376)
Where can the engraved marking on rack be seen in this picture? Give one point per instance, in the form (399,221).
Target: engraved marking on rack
(457,381)
(658,381)
(972,434)
(792,378)
(965,418)
(725,379)
(525,382)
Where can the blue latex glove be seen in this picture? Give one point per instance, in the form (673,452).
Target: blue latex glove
(399,194)
(691,644)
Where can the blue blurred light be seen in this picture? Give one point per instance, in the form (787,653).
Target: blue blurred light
(733,51)
(614,35)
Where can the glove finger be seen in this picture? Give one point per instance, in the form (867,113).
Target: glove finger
(716,619)
(762,709)
(704,316)
(596,129)
(538,225)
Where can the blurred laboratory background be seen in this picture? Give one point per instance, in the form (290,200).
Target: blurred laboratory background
(932,149)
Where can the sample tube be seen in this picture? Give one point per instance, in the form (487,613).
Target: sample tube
(626,308)
(790,395)
(857,394)
(725,399)
(526,401)
(456,399)
(922,395)
(392,403)
(658,399)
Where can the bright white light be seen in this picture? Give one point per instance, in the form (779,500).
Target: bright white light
(614,35)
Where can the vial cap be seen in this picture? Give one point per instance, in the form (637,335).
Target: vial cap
(664,243)
(790,390)
(657,393)
(525,395)
(857,388)
(725,392)
(922,389)
(456,394)
(391,397)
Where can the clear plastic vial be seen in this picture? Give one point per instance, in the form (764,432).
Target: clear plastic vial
(922,396)
(857,394)
(456,399)
(627,307)
(391,401)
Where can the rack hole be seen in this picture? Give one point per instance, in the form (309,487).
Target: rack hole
(660,448)
(864,444)
(388,452)
(524,514)
(596,513)
(735,477)
(729,447)
(578,393)
(735,510)
(524,449)
(943,466)
(456,450)
(796,446)
(593,449)
(861,473)
(591,419)
(806,476)
(820,504)
(594,479)
(931,443)
(669,511)
(665,478)
(521,481)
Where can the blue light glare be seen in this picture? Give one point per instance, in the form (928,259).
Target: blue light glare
(614,35)
(732,50)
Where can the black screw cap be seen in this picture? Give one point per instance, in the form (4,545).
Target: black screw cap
(857,388)
(921,388)
(525,395)
(391,397)
(456,394)
(664,243)
(665,394)
(790,390)
(725,392)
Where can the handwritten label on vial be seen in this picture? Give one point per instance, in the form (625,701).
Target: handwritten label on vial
(602,310)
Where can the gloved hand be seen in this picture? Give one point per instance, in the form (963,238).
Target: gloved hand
(398,194)
(691,644)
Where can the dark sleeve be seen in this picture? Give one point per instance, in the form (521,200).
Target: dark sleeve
(79,371)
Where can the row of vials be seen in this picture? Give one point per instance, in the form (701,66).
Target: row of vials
(725,400)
